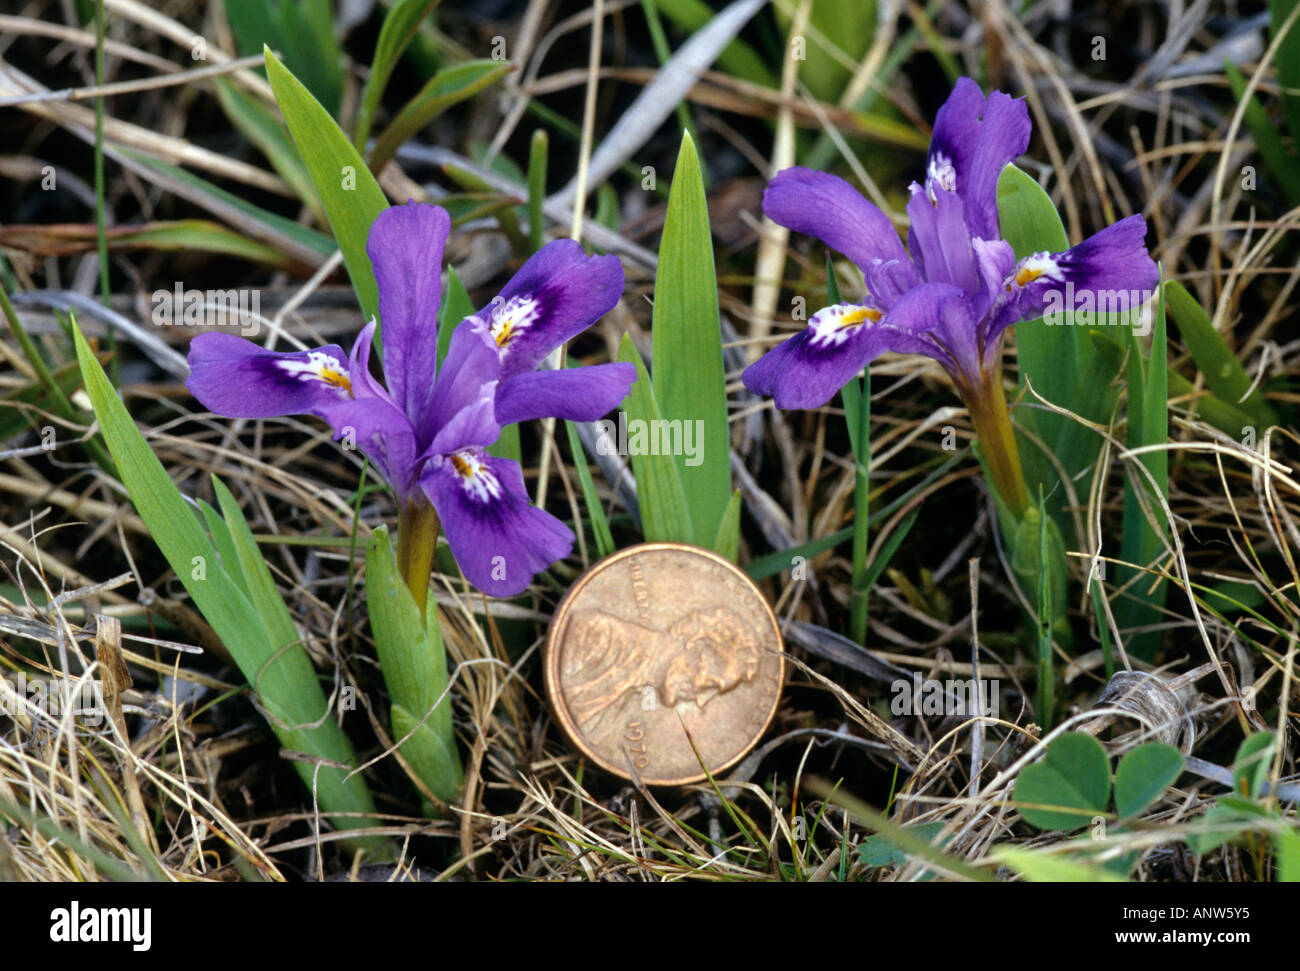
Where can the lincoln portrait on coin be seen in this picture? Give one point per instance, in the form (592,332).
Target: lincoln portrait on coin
(608,659)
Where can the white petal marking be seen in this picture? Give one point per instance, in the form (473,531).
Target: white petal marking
(942,173)
(319,366)
(835,324)
(475,477)
(1039,265)
(510,318)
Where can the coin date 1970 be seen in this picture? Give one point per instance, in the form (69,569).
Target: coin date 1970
(636,735)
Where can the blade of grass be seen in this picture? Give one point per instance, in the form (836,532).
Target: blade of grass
(252,567)
(1141,543)
(595,511)
(1050,868)
(1281,164)
(537,150)
(299,242)
(857,414)
(903,837)
(414,665)
(280,674)
(256,123)
(505,209)
(934,42)
(1223,372)
(851,393)
(303,31)
(665,516)
(507,445)
(219,533)
(849,25)
(824,150)
(101,236)
(349,193)
(1287,848)
(446,88)
(1049,358)
(1212,409)
(689,378)
(1288,61)
(727,542)
(62,403)
(1103,628)
(349,603)
(1094,394)
(663,53)
(110,866)
(201,235)
(456,306)
(861,518)
(1046,668)
(878,565)
(400,26)
(738,58)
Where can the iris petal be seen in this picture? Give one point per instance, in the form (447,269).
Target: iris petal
(405,246)
(384,435)
(499,540)
(234,377)
(806,370)
(1111,266)
(558,293)
(471,362)
(578,394)
(940,239)
(827,207)
(976,137)
(474,425)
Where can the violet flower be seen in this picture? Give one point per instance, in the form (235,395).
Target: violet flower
(960,288)
(428,430)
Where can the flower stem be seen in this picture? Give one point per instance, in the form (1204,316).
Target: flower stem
(417,536)
(861,507)
(997,440)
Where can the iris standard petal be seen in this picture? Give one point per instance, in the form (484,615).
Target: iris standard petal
(579,394)
(887,280)
(974,139)
(364,384)
(1004,136)
(956,134)
(471,362)
(473,425)
(827,207)
(236,378)
(556,295)
(405,246)
(499,540)
(940,240)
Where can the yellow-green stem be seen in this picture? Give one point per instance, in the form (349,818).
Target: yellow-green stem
(417,536)
(997,440)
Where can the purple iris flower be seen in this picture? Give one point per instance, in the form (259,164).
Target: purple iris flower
(428,430)
(957,287)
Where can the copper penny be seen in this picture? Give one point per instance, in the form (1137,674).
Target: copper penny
(655,647)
